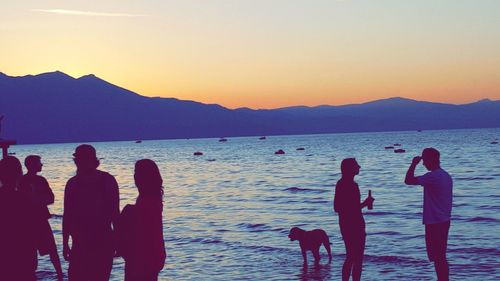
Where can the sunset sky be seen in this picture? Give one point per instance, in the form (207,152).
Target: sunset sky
(263,53)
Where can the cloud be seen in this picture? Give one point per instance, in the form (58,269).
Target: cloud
(85,13)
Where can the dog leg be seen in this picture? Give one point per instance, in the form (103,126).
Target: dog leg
(316,255)
(326,243)
(304,255)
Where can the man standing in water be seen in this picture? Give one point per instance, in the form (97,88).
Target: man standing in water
(438,196)
(91,209)
(36,188)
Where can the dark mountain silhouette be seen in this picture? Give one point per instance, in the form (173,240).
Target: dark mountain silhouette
(55,107)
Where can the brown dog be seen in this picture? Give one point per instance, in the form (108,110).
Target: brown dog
(311,241)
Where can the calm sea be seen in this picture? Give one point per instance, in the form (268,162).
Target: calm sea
(227,213)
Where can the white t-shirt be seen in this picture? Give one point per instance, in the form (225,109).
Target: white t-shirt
(438,196)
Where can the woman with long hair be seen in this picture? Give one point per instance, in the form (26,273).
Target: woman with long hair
(352,224)
(140,226)
(18,256)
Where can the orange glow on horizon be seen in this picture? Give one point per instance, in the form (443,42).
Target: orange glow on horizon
(238,54)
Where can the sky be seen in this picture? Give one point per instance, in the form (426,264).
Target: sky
(263,53)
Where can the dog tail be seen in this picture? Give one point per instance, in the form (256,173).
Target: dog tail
(326,243)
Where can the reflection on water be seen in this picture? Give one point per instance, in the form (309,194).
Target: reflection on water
(227,213)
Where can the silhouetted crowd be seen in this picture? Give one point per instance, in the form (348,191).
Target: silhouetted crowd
(94,230)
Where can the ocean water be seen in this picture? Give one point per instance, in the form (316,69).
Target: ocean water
(227,213)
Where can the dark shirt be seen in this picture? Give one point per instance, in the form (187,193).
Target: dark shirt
(18,256)
(38,190)
(140,235)
(91,205)
(347,203)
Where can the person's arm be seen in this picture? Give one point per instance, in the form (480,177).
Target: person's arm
(114,201)
(337,199)
(410,178)
(120,231)
(47,195)
(66,225)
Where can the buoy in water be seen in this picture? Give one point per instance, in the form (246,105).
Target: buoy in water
(198,153)
(279,152)
(300,148)
(389,147)
(399,151)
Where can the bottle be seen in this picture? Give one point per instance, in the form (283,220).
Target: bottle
(370,206)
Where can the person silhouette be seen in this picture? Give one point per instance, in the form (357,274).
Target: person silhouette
(91,208)
(36,189)
(18,258)
(347,204)
(140,228)
(438,198)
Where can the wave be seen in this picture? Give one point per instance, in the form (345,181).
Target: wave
(298,189)
(399,260)
(255,227)
(489,207)
(475,250)
(475,178)
(481,219)
(390,233)
(378,213)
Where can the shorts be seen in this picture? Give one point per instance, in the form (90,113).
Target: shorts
(45,239)
(354,241)
(436,240)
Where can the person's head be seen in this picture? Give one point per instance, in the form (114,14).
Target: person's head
(85,158)
(430,158)
(349,167)
(148,178)
(11,171)
(33,163)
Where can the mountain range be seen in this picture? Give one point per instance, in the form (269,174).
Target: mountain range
(55,107)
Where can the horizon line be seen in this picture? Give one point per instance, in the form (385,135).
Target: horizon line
(246,107)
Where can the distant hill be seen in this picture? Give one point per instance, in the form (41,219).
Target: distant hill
(55,107)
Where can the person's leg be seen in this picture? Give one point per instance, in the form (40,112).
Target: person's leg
(442,270)
(436,238)
(54,256)
(346,269)
(347,266)
(102,264)
(133,273)
(359,247)
(77,269)
(440,262)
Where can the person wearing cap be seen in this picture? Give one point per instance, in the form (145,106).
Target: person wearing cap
(91,209)
(438,197)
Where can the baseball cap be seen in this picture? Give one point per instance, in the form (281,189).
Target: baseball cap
(85,151)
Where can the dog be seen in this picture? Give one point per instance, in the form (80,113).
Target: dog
(311,241)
